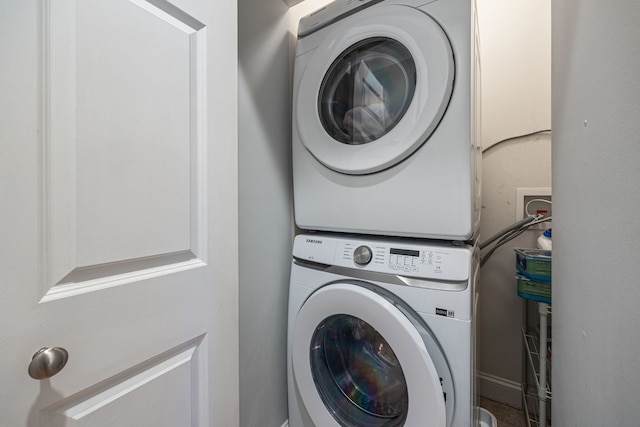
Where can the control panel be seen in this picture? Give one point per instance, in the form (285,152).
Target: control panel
(433,261)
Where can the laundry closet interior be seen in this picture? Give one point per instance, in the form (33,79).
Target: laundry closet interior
(515,58)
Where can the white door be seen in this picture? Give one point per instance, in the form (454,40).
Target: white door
(118,212)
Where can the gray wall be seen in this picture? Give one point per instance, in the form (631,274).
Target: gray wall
(596,179)
(265,209)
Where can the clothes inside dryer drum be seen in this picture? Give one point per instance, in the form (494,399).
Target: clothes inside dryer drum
(357,374)
(367,90)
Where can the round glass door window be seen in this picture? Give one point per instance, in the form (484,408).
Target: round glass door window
(367,90)
(357,374)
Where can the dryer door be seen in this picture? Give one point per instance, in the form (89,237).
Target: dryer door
(375,89)
(358,361)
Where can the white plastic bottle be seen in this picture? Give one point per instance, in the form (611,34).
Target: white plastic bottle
(544,241)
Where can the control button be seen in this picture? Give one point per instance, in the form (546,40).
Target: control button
(362,255)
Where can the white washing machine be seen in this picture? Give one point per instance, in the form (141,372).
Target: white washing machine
(381,333)
(385,119)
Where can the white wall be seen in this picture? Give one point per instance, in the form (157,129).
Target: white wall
(265,210)
(515,40)
(596,179)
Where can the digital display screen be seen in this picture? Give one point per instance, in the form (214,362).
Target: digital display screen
(405,252)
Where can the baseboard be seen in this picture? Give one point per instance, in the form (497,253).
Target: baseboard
(500,389)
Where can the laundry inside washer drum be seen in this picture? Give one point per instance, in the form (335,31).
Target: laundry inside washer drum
(367,90)
(357,374)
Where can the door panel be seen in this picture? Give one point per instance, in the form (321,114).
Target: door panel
(161,390)
(118,211)
(130,137)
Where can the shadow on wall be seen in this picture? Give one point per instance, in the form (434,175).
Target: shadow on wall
(265,218)
(263,53)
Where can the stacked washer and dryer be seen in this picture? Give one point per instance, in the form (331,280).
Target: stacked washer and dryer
(386,169)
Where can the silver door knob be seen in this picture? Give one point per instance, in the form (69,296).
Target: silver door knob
(47,362)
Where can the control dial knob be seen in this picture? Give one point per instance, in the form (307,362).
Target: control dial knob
(362,255)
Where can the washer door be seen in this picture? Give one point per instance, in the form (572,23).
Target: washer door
(375,89)
(358,361)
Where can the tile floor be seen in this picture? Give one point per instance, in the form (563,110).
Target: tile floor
(506,415)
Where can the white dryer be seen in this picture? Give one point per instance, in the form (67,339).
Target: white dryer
(381,333)
(385,119)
